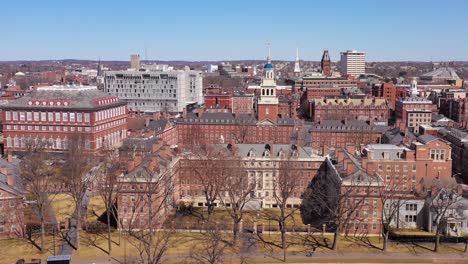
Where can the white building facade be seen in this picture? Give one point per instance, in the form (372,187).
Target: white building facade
(156,91)
(353,63)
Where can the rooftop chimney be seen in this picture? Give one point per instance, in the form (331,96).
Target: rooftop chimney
(4,170)
(10,179)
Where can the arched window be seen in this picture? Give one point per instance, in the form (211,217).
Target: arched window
(65,143)
(8,141)
(51,143)
(58,143)
(23,142)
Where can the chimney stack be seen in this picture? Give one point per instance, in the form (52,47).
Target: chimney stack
(10,179)
(147,121)
(4,170)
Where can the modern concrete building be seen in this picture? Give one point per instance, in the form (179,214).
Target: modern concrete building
(156,91)
(353,63)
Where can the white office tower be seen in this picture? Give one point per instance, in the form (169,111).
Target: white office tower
(353,63)
(156,91)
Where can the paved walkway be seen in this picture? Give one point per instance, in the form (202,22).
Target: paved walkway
(66,247)
(322,258)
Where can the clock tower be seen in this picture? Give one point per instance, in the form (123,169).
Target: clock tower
(267,105)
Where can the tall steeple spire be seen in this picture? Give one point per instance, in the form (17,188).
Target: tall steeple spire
(297,67)
(414,88)
(269,54)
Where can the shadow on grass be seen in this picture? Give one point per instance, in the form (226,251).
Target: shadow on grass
(363,241)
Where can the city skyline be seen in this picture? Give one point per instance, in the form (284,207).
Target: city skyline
(207,31)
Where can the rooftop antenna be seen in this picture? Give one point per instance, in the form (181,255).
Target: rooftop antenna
(269,52)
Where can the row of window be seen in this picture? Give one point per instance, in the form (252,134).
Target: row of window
(64,128)
(47,116)
(389,167)
(48,128)
(109,113)
(58,143)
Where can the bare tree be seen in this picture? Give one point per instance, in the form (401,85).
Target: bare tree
(210,248)
(208,168)
(37,176)
(77,166)
(442,198)
(286,183)
(242,130)
(335,201)
(108,184)
(150,188)
(237,191)
(392,198)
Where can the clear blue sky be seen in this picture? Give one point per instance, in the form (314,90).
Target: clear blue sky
(233,29)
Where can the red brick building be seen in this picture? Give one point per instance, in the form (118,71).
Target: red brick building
(243,104)
(326,64)
(455,109)
(262,163)
(387,91)
(56,113)
(330,134)
(11,202)
(218,101)
(150,173)
(426,157)
(405,108)
(212,128)
(375,109)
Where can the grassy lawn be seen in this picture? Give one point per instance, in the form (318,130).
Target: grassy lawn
(351,245)
(265,217)
(95,246)
(14,249)
(63,206)
(96,207)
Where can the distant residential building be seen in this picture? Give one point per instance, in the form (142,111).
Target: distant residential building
(387,91)
(425,157)
(329,134)
(223,101)
(375,109)
(411,105)
(154,91)
(12,222)
(56,113)
(443,74)
(458,138)
(353,63)
(242,104)
(455,109)
(135,62)
(416,118)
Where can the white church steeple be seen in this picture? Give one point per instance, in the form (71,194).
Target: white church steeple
(297,67)
(414,88)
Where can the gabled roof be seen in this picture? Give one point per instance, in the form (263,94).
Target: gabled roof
(12,168)
(158,125)
(427,138)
